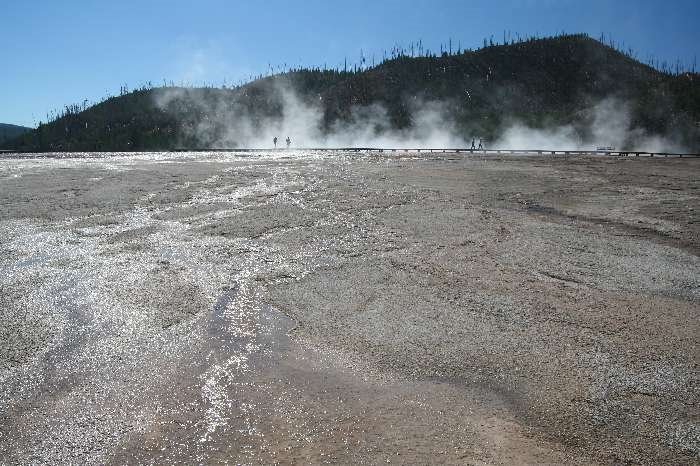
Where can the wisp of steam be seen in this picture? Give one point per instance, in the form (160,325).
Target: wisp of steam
(224,125)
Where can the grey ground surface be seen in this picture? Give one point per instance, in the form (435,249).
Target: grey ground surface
(352,308)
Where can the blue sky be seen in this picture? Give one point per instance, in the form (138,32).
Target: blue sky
(60,52)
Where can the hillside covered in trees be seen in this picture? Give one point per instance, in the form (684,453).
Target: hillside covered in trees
(8,132)
(539,83)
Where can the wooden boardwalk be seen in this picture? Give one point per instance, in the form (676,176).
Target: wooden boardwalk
(390,150)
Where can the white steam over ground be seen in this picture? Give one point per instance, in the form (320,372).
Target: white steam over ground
(302,121)
(610,126)
(224,124)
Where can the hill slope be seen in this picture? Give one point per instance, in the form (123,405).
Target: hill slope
(8,132)
(544,83)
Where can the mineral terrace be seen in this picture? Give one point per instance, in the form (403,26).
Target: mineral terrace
(349,308)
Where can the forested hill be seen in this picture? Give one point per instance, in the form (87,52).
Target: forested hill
(8,132)
(539,82)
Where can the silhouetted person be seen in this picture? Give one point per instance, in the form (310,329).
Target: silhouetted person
(473,144)
(289,142)
(274,141)
(481,146)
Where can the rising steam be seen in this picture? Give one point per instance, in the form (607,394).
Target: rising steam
(225,123)
(607,124)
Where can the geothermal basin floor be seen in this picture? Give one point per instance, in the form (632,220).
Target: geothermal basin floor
(349,308)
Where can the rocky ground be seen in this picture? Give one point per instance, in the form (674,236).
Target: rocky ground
(350,308)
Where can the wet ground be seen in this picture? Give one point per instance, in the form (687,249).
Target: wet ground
(349,308)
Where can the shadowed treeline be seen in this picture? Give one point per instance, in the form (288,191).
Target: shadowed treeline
(8,132)
(534,83)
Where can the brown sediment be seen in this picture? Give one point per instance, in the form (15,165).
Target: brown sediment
(427,308)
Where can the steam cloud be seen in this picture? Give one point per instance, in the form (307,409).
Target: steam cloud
(226,125)
(610,125)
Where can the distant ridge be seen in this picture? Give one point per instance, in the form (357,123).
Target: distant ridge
(8,132)
(539,82)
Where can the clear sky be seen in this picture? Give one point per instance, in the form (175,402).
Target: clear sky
(61,52)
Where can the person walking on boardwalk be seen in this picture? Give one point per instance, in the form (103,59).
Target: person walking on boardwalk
(481,146)
(289,142)
(274,141)
(473,146)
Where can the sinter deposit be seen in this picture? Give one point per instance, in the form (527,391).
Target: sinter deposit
(308,307)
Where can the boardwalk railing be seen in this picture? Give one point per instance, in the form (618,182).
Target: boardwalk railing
(496,151)
(404,150)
